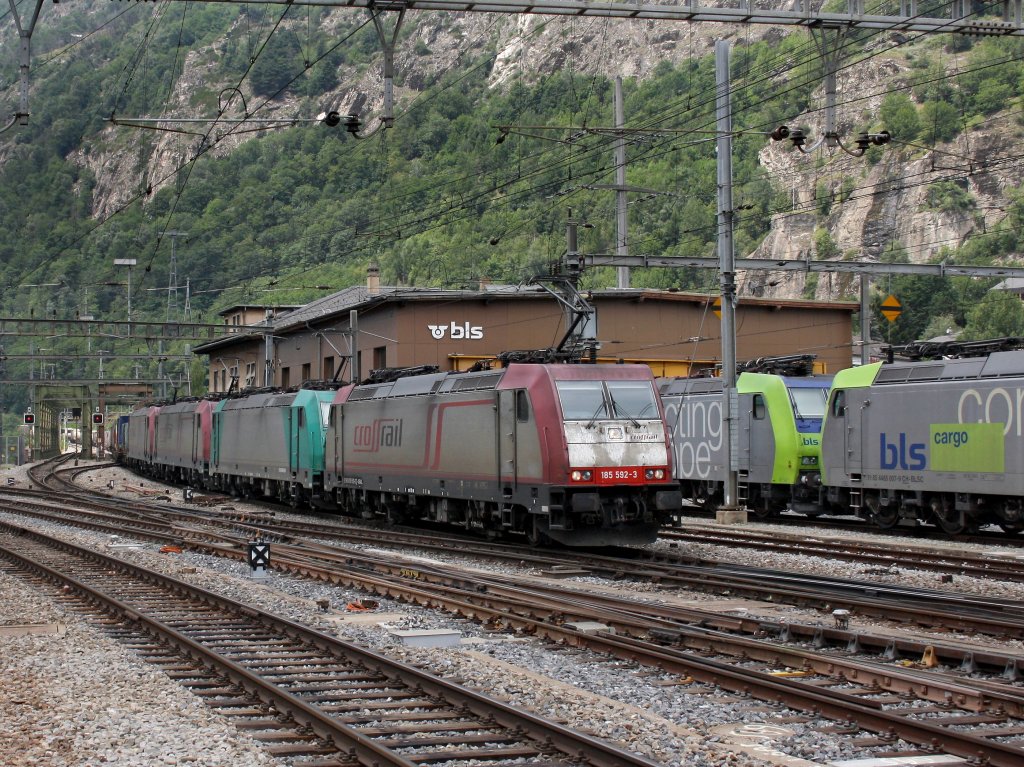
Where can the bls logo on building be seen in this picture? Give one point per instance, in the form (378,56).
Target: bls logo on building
(456,331)
(383,432)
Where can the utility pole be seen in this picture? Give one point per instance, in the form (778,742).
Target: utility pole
(172,307)
(353,344)
(172,282)
(726,268)
(129,262)
(268,348)
(621,217)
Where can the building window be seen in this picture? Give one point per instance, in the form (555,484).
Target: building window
(306,371)
(286,377)
(250,375)
(380,357)
(328,368)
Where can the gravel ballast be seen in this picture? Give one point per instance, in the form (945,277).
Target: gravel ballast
(78,698)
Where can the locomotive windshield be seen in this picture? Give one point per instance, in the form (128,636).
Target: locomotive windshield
(606,400)
(808,402)
(632,399)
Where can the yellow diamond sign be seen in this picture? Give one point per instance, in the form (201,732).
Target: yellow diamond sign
(891,308)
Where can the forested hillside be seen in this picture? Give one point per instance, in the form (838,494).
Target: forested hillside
(501,129)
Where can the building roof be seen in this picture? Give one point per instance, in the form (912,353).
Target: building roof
(1011,283)
(277,308)
(359,296)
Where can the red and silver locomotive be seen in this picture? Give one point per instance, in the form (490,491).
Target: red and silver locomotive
(577,454)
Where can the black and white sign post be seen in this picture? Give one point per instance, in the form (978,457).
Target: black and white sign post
(259,559)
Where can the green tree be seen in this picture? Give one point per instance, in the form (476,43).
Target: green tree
(940,121)
(278,64)
(997,315)
(950,197)
(825,246)
(899,116)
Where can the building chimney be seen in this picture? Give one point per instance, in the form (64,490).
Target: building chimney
(373,279)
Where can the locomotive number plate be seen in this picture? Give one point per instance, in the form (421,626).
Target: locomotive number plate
(629,475)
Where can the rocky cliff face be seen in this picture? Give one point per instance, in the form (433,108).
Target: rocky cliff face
(127,161)
(873,204)
(864,206)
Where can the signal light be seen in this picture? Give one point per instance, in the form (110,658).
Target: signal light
(30,418)
(97,418)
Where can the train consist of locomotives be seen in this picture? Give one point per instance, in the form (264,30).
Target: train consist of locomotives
(595,455)
(577,454)
(934,441)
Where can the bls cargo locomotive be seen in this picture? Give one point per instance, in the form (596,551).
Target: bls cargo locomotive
(937,440)
(577,454)
(779,419)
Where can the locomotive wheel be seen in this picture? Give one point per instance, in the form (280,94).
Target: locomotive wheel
(707,496)
(946,516)
(394,514)
(758,505)
(885,517)
(534,535)
(1009,517)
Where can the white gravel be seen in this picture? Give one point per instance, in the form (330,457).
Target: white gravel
(78,699)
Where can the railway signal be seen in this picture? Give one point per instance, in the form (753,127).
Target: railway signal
(97,418)
(30,418)
(259,558)
(891,308)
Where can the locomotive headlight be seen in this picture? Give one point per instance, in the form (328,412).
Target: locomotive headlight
(579,475)
(808,460)
(615,432)
(654,474)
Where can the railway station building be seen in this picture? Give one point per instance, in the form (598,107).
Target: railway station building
(676,333)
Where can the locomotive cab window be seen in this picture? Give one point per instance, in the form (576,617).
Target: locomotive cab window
(808,402)
(582,400)
(839,404)
(758,407)
(522,406)
(612,400)
(632,399)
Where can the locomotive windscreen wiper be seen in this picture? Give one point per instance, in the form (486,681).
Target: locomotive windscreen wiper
(602,409)
(621,411)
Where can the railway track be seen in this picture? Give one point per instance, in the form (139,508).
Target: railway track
(916,703)
(855,524)
(301,692)
(883,555)
(228,534)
